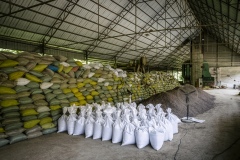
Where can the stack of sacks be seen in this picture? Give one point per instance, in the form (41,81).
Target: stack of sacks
(36,88)
(126,123)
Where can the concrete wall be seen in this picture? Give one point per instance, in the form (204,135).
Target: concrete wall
(219,55)
(226,76)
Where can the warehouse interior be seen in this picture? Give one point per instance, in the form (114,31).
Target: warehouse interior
(140,51)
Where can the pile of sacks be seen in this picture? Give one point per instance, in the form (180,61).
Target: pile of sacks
(124,123)
(145,85)
(35,88)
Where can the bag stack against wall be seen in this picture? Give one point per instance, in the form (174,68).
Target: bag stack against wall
(35,88)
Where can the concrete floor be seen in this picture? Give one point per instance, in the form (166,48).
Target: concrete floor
(217,138)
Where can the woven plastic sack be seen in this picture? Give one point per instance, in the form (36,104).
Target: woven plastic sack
(45,120)
(107,125)
(8,103)
(41,109)
(48,125)
(71,120)
(49,131)
(30,124)
(156,137)
(15,132)
(6,90)
(33,129)
(3,142)
(80,123)
(173,119)
(23,94)
(16,75)
(62,121)
(34,134)
(17,138)
(43,115)
(29,118)
(9,109)
(98,125)
(46,85)
(26,106)
(40,67)
(22,81)
(12,126)
(25,100)
(118,127)
(8,63)
(142,137)
(32,78)
(28,112)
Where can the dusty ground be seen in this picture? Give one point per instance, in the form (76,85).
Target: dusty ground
(217,138)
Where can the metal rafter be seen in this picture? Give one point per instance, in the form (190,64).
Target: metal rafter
(144,28)
(110,27)
(23,9)
(61,18)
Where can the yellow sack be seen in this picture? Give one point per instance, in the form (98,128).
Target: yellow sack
(93,83)
(74,90)
(40,67)
(94,93)
(32,78)
(109,87)
(110,99)
(56,107)
(80,85)
(78,94)
(31,123)
(48,125)
(28,112)
(45,120)
(60,68)
(80,98)
(67,69)
(8,103)
(16,75)
(120,86)
(74,103)
(87,80)
(79,63)
(8,63)
(66,90)
(82,102)
(2,130)
(89,97)
(6,90)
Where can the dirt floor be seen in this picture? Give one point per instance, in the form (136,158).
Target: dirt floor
(217,138)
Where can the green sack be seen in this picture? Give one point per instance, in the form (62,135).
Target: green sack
(25,100)
(43,115)
(50,130)
(13,126)
(33,85)
(36,91)
(11,115)
(29,118)
(17,138)
(3,142)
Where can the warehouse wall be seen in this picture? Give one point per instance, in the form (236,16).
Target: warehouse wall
(226,76)
(218,55)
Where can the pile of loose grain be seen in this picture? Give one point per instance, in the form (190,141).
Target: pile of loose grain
(174,100)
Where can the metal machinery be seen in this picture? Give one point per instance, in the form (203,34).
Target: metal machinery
(207,79)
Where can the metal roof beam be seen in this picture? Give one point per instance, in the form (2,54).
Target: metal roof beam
(61,18)
(24,8)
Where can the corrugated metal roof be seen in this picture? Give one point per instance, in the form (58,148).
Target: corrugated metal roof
(114,35)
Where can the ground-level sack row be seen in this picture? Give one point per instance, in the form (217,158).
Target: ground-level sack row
(124,123)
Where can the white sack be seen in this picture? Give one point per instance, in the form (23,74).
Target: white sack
(45,85)
(142,137)
(71,120)
(62,121)
(173,119)
(22,81)
(118,127)
(97,131)
(156,138)
(108,121)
